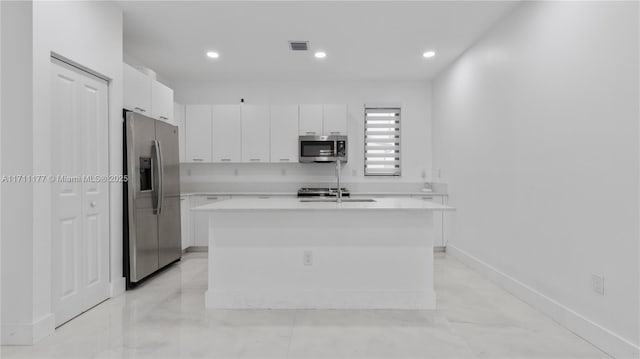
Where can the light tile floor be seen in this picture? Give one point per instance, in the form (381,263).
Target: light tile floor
(165,318)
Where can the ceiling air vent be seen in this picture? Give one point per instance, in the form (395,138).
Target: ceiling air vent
(299,45)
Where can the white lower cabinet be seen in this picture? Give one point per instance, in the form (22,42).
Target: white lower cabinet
(185,222)
(439,218)
(200,220)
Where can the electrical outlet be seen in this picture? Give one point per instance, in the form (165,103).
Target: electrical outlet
(598,283)
(308,258)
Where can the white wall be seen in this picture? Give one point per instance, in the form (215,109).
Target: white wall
(88,34)
(536,131)
(17,154)
(413,96)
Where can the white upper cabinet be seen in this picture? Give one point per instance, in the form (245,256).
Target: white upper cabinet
(137,90)
(179,120)
(198,135)
(335,120)
(147,96)
(284,133)
(161,101)
(310,121)
(227,130)
(323,120)
(255,133)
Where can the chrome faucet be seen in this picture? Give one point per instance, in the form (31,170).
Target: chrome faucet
(338,188)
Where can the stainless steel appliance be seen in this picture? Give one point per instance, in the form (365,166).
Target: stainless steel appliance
(322,148)
(321,192)
(152,197)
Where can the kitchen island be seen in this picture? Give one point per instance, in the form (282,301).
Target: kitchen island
(282,253)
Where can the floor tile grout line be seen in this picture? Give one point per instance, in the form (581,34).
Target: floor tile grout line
(293,326)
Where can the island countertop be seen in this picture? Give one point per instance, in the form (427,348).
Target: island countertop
(293,203)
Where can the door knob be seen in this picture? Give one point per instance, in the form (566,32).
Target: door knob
(93,203)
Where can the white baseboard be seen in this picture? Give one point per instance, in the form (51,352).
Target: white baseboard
(117,287)
(603,338)
(29,333)
(320,299)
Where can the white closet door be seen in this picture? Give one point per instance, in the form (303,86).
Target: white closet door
(95,201)
(80,207)
(67,196)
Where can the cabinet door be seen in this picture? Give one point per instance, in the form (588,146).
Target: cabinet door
(310,122)
(447,223)
(226,133)
(161,102)
(438,220)
(136,90)
(198,134)
(200,220)
(335,120)
(185,222)
(255,133)
(284,133)
(179,120)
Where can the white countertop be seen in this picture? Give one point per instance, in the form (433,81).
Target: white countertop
(293,203)
(353,194)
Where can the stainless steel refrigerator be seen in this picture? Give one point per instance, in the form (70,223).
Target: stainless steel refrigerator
(152,197)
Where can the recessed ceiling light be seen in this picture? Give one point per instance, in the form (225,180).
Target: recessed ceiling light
(429,54)
(320,54)
(213,54)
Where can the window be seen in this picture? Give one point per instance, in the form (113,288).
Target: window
(382,142)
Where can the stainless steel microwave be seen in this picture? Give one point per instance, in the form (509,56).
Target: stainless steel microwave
(322,148)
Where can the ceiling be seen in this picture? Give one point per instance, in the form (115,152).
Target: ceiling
(362,39)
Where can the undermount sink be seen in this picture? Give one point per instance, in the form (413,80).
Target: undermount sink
(324,199)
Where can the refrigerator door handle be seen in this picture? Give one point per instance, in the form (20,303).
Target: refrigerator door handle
(157,173)
(161,182)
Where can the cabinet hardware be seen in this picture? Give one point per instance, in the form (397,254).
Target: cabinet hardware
(311,132)
(225,159)
(335,132)
(198,159)
(212,198)
(284,160)
(254,159)
(140,109)
(166,118)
